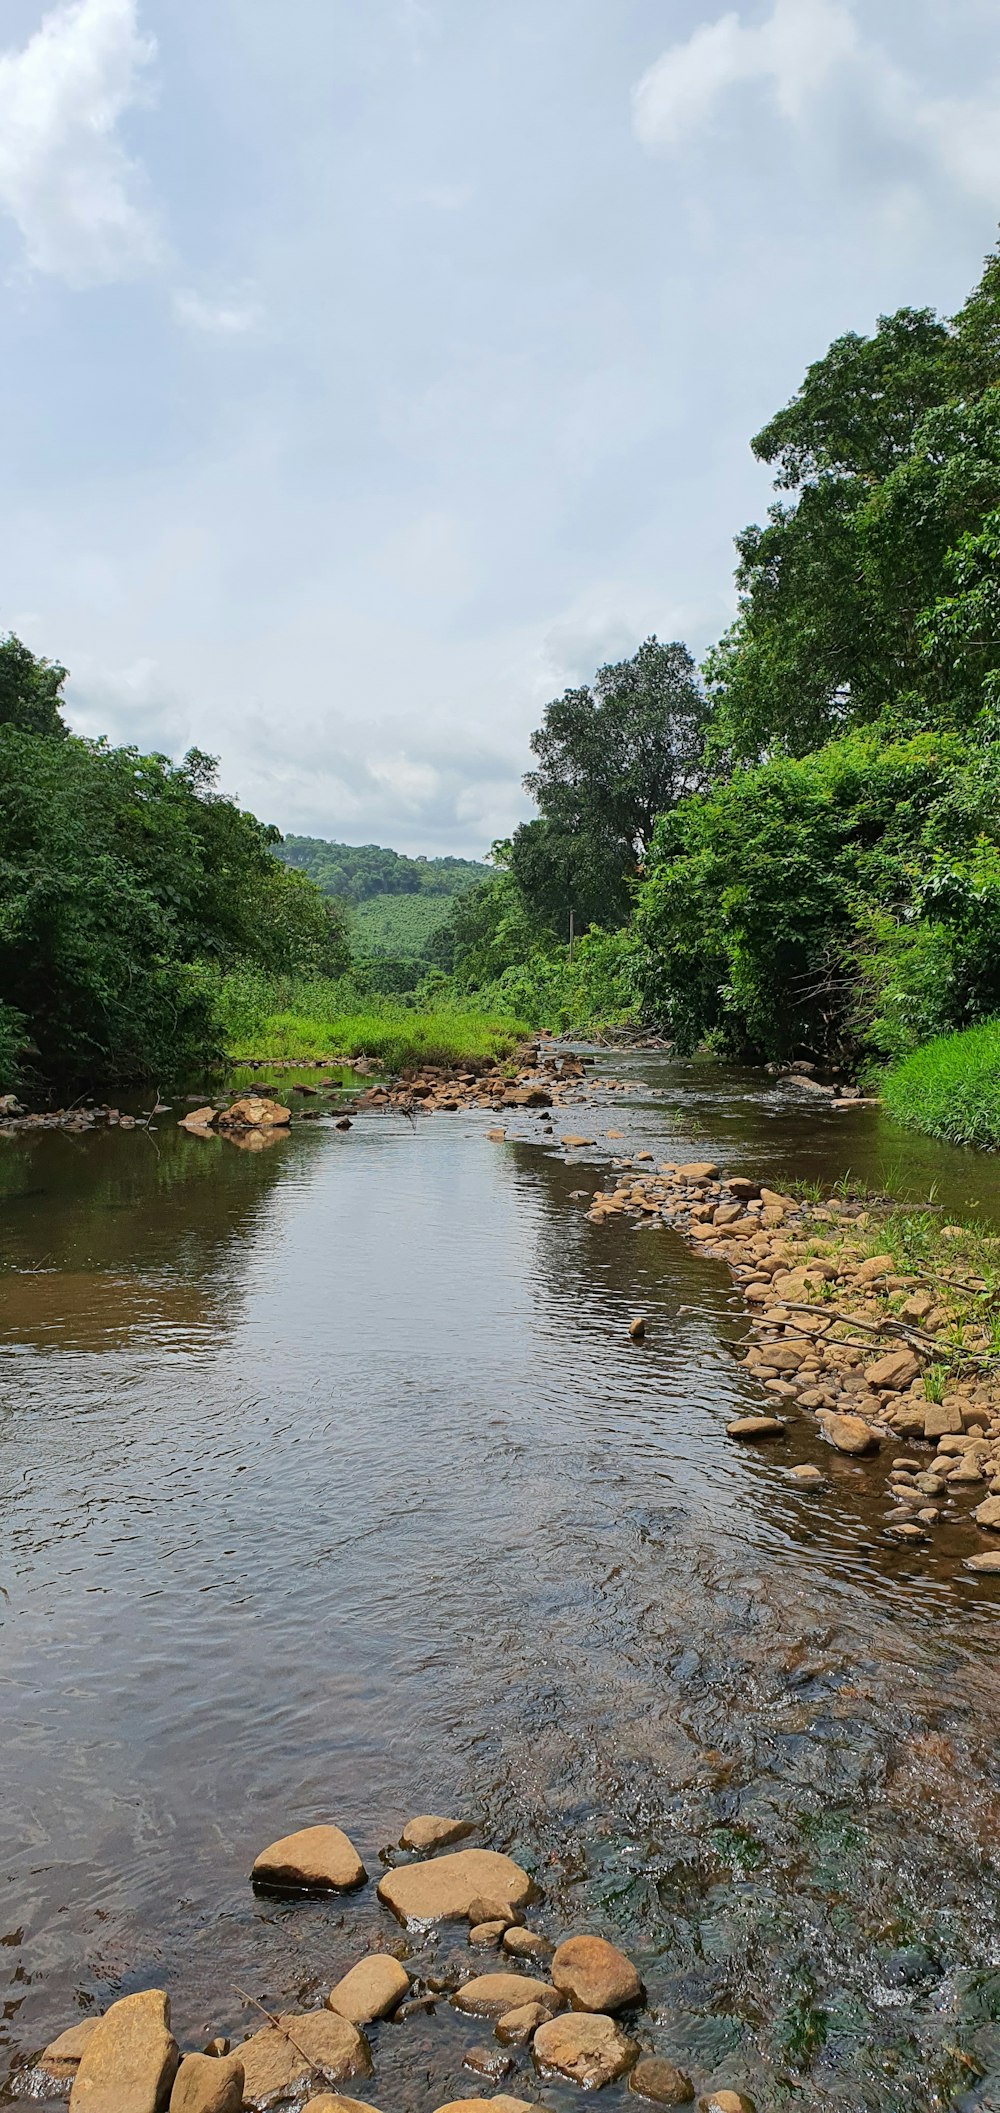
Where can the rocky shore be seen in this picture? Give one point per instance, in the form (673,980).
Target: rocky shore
(561,2009)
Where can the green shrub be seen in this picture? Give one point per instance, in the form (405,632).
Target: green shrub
(951,1088)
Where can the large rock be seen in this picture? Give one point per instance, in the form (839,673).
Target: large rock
(446,1886)
(208,2083)
(988,1513)
(254,1113)
(502,2103)
(315,1860)
(312,2048)
(490,1995)
(942,1419)
(897,1369)
(331,2102)
(373,1989)
(130,2059)
(849,1434)
(62,2056)
(585,2047)
(594,1974)
(658,2080)
(430,1831)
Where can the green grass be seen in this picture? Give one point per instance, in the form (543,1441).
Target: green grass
(274,1017)
(951,1088)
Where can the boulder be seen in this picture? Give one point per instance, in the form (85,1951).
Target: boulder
(311,2048)
(255,1112)
(430,1831)
(896,1370)
(594,1974)
(658,2080)
(848,1434)
(756,1427)
(502,2103)
(315,1860)
(62,2056)
(988,1513)
(373,1989)
(696,1170)
(585,2047)
(207,2083)
(517,2027)
(446,1886)
(130,2059)
(988,1563)
(199,1119)
(489,1995)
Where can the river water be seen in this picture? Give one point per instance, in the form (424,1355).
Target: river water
(331,1487)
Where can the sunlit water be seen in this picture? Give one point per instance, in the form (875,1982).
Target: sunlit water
(331,1486)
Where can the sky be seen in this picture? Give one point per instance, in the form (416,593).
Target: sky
(371,373)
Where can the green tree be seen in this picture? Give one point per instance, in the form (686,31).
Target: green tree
(30,690)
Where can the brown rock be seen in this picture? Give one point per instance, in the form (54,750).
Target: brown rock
(877,1266)
(490,1995)
(756,1427)
(484,1909)
(725,2102)
(62,2056)
(487,1933)
(207,2084)
(313,2047)
(696,1170)
(130,2059)
(430,1831)
(988,1513)
(315,1860)
(585,2047)
(988,1564)
(896,1370)
(517,2027)
(331,2102)
(254,1113)
(199,1119)
(849,1434)
(637,1329)
(488,2061)
(594,1974)
(657,2079)
(501,2103)
(526,1944)
(806,1475)
(374,1988)
(446,1885)
(942,1419)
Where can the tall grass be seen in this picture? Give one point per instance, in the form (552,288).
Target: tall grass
(272,1017)
(951,1088)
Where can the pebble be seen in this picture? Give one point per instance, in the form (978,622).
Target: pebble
(488,2061)
(806,1475)
(486,1934)
(525,1944)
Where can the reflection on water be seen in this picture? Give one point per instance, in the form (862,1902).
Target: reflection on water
(331,1486)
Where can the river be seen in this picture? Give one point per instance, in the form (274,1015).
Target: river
(331,1487)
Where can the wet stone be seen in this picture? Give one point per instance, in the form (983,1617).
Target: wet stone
(586,2047)
(595,1975)
(755,1427)
(526,1944)
(130,2059)
(488,2061)
(485,1935)
(373,1989)
(658,2080)
(430,1831)
(314,1860)
(61,2057)
(283,2059)
(490,1995)
(517,2027)
(446,1885)
(208,2083)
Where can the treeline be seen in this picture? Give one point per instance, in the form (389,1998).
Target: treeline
(356,873)
(129,887)
(796,849)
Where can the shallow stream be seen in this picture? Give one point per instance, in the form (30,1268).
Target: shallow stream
(331,1487)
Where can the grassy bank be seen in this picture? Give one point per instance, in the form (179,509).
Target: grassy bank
(951,1088)
(276,1017)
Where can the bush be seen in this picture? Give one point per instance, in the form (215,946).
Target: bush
(951,1088)
(269,1016)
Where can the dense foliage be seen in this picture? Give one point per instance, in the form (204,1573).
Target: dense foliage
(951,1087)
(357,873)
(127,884)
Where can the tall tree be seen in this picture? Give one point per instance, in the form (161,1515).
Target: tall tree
(30,690)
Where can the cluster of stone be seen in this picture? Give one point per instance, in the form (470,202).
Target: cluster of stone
(569,2022)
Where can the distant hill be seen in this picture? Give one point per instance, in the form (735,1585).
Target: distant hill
(397,903)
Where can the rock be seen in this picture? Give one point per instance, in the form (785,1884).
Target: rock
(988,1513)
(254,1113)
(896,1370)
(487,1933)
(130,2059)
(942,1419)
(310,2048)
(585,2047)
(725,2102)
(657,2079)
(744,1189)
(517,2027)
(987,1564)
(199,1119)
(217,2045)
(331,2102)
(502,2103)
(696,1170)
(373,1989)
(430,1831)
(637,1328)
(489,1995)
(848,1434)
(488,2061)
(594,1974)
(446,1885)
(315,1860)
(756,1427)
(525,1944)
(806,1475)
(62,2056)
(870,1271)
(485,1909)
(207,2084)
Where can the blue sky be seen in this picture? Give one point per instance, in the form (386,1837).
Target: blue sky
(372,371)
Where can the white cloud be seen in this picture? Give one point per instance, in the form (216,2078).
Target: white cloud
(215,318)
(798,54)
(64,176)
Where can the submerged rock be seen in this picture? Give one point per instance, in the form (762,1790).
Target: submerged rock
(445,1886)
(430,1831)
(299,2051)
(314,1860)
(525,1944)
(756,1427)
(658,2080)
(208,2083)
(517,2027)
(595,1975)
(373,1989)
(490,1995)
(130,2059)
(585,2047)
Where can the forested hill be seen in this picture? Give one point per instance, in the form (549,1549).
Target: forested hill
(358,873)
